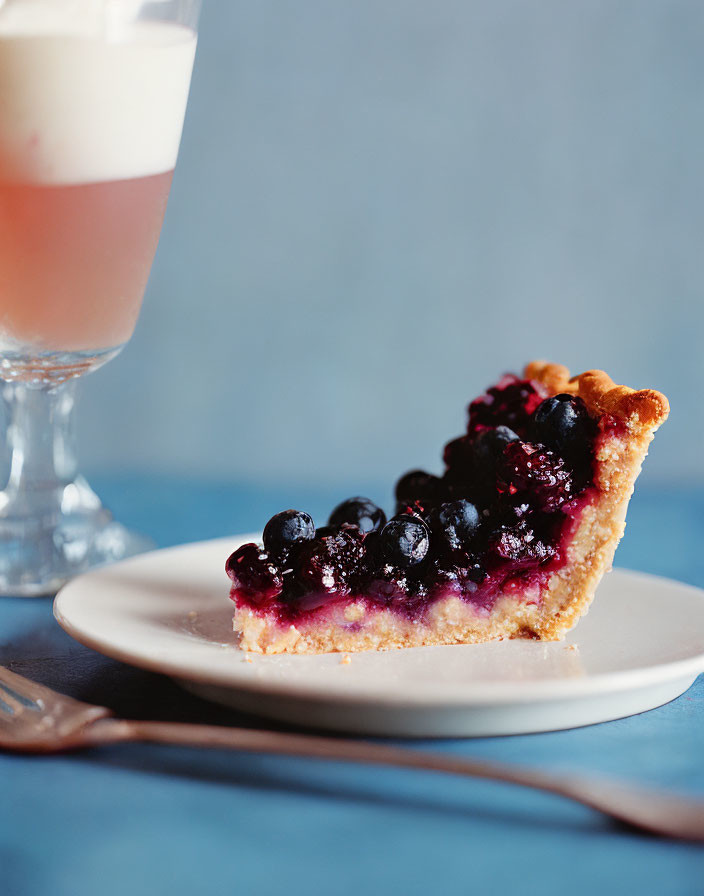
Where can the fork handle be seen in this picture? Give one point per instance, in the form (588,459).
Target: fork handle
(655,812)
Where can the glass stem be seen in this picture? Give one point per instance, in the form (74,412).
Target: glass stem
(41,442)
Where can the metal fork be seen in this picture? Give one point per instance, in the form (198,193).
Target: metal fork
(35,719)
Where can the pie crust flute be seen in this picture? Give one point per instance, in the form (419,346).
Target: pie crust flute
(541,603)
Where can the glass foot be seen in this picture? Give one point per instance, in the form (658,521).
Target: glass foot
(40,554)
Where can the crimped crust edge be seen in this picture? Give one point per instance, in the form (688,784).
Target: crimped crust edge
(644,408)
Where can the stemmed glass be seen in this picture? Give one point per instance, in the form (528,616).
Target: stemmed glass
(92,99)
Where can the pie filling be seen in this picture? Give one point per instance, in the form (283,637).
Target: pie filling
(496,524)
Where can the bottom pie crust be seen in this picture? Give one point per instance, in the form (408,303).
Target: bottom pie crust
(450,620)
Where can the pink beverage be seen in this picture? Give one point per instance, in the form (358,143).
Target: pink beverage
(89,131)
(74,260)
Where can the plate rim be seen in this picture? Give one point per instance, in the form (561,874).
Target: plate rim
(490,693)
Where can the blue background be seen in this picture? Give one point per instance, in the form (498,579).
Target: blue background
(381,205)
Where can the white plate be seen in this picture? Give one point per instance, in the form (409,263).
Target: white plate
(641,645)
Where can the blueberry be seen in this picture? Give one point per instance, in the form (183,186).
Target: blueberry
(286,529)
(460,479)
(457,454)
(562,422)
(326,567)
(325,532)
(532,474)
(460,579)
(254,575)
(414,509)
(488,446)
(511,401)
(392,586)
(388,586)
(359,512)
(520,545)
(371,543)
(404,541)
(456,523)
(417,485)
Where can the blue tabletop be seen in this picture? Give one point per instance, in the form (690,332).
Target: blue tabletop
(145,819)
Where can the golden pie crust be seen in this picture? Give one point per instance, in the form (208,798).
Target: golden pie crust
(565,597)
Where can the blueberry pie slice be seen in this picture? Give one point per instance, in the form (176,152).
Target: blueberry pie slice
(510,541)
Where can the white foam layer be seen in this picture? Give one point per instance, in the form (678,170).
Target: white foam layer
(84,100)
